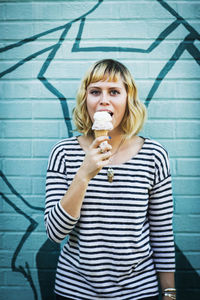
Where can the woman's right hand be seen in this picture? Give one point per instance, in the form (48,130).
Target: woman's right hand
(94,159)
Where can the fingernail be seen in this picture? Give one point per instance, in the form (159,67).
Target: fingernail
(109,137)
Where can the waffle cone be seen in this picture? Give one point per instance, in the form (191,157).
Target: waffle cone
(98,133)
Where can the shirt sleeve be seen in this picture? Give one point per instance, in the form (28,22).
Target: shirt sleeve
(57,221)
(160,215)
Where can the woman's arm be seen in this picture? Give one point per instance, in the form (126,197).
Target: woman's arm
(63,202)
(166,281)
(92,164)
(160,215)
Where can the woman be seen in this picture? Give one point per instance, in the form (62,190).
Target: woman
(120,239)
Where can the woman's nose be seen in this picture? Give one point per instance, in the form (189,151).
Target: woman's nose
(104,99)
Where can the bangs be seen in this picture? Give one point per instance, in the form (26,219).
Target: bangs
(104,71)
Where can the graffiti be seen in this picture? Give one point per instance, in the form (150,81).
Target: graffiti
(25,271)
(187,44)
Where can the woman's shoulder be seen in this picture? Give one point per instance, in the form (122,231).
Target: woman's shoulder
(156,147)
(64,144)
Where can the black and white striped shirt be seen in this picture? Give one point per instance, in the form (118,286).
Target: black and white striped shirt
(124,234)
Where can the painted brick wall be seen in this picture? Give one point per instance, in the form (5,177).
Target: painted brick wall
(45,48)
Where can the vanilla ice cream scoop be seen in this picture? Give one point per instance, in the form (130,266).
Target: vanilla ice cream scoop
(102,121)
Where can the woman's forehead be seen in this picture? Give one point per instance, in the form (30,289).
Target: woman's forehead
(105,77)
(107,83)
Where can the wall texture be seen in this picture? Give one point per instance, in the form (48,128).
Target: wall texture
(45,48)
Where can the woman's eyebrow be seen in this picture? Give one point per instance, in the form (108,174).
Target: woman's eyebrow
(109,87)
(94,86)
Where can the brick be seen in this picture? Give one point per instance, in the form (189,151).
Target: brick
(186,223)
(15,278)
(125,29)
(50,110)
(19,31)
(187,90)
(160,129)
(21,184)
(186,186)
(25,293)
(127,55)
(182,148)
(45,129)
(2,11)
(31,129)
(67,88)
(188,167)
(182,69)
(67,69)
(175,109)
(188,129)
(64,131)
(10,240)
(7,221)
(24,50)
(17,128)
(187,204)
(132,10)
(25,167)
(46,26)
(189,10)
(18,89)
(33,243)
(38,186)
(188,241)
(36,90)
(23,72)
(39,218)
(25,11)
(1,204)
(7,256)
(1,240)
(75,70)
(36,203)
(17,11)
(42,148)
(15,148)
(16,110)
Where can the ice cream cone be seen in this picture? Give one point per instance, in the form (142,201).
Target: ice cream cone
(98,133)
(102,123)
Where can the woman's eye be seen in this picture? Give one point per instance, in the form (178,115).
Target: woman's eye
(114,92)
(95,92)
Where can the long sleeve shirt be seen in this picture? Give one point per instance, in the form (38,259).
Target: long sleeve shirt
(123,236)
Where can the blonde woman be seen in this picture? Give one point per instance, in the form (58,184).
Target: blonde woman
(120,240)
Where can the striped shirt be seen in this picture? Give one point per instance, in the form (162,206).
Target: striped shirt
(123,236)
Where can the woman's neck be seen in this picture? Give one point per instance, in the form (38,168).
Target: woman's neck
(116,136)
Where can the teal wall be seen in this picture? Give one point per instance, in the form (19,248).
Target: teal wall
(45,48)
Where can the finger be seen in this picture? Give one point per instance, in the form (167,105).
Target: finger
(99,140)
(105,155)
(103,163)
(104,147)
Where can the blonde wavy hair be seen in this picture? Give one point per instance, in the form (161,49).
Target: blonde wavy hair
(111,70)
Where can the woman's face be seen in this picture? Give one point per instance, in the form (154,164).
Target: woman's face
(107,96)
